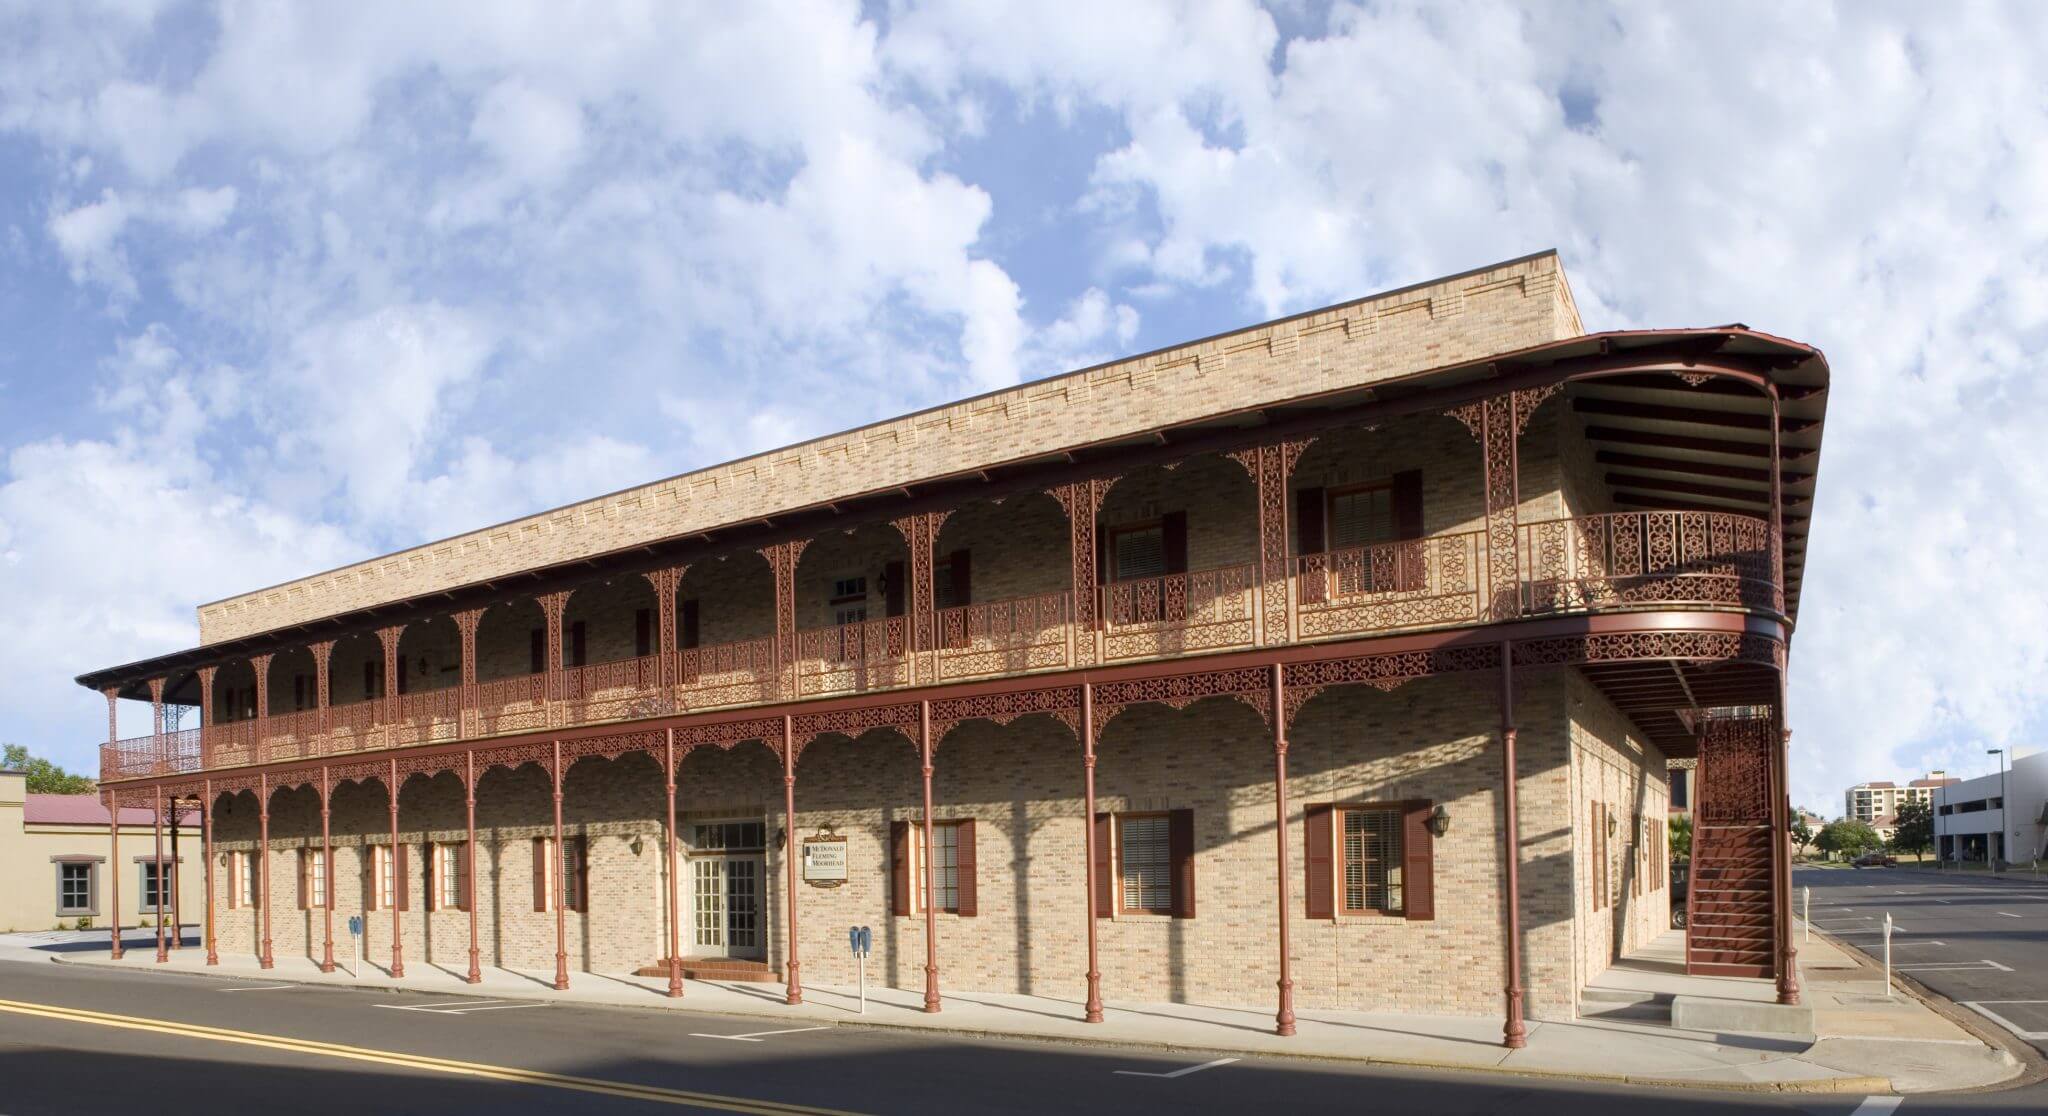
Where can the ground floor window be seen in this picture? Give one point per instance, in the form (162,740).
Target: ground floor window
(1371,855)
(448,876)
(572,861)
(387,882)
(155,878)
(74,888)
(242,879)
(1145,864)
(313,879)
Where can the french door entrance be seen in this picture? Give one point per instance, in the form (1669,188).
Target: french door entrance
(727,870)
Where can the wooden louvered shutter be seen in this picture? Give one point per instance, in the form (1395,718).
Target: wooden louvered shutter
(1318,845)
(962,565)
(1105,881)
(963,859)
(689,624)
(899,868)
(540,873)
(1180,852)
(1173,540)
(1308,539)
(305,879)
(1418,861)
(538,652)
(373,679)
(576,645)
(401,883)
(579,849)
(1412,571)
(643,631)
(465,863)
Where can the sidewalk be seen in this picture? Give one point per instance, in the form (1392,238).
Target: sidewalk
(1861,1040)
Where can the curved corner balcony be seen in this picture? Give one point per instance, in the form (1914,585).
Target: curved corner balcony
(1619,561)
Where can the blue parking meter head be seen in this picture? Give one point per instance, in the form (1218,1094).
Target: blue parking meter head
(853,938)
(867,940)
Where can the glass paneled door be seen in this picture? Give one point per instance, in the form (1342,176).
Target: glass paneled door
(727,870)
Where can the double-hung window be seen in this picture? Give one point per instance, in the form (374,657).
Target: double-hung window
(74,887)
(448,876)
(154,878)
(572,861)
(945,859)
(1144,864)
(313,879)
(1370,859)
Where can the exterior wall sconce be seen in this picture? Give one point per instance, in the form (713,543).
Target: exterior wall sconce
(636,846)
(1612,825)
(1439,820)
(781,838)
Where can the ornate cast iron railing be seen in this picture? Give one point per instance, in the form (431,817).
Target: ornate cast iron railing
(1621,560)
(1202,610)
(1647,558)
(1390,586)
(851,658)
(1015,636)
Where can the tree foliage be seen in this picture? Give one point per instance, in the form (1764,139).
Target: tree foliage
(1915,832)
(1848,837)
(1679,829)
(44,777)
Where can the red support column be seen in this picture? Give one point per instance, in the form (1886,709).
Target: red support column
(469,718)
(397,897)
(552,605)
(114,866)
(782,561)
(666,583)
(1781,803)
(790,851)
(157,750)
(476,972)
(177,880)
(1082,500)
(931,924)
(261,665)
(205,674)
(1283,1020)
(206,856)
(1514,1034)
(326,873)
(263,860)
(387,712)
(561,886)
(162,950)
(1092,1012)
(323,653)
(675,934)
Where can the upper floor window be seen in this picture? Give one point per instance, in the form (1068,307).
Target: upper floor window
(1361,515)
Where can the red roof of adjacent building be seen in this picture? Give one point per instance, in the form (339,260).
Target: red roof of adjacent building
(1885,785)
(88,809)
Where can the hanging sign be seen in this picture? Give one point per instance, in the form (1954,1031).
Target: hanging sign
(825,861)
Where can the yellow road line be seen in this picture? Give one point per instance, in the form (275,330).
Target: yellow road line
(511,1074)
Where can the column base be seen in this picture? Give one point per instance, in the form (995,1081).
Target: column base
(266,963)
(326,966)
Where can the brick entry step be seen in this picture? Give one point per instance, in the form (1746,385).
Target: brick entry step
(716,968)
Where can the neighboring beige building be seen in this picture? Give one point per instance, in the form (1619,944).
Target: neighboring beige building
(54,867)
(1311,597)
(1877,804)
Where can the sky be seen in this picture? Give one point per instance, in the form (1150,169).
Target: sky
(286,286)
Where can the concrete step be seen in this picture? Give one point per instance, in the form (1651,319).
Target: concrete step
(716,968)
(1713,1013)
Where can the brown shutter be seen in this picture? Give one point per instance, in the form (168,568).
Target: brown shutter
(373,675)
(1318,845)
(576,657)
(1308,520)
(643,631)
(1173,539)
(1418,861)
(1180,850)
(965,860)
(540,873)
(1105,881)
(537,651)
(579,848)
(963,574)
(464,865)
(689,624)
(401,886)
(1407,501)
(899,868)
(305,879)
(893,586)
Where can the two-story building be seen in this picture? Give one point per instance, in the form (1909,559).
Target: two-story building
(1332,662)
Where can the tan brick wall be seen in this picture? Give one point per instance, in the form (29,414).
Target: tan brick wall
(1433,739)
(1500,309)
(1613,764)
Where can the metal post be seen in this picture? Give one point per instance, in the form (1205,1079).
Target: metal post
(114,866)
(675,936)
(326,873)
(1092,1012)
(476,972)
(1283,1020)
(1887,955)
(206,858)
(561,884)
(162,950)
(931,927)
(177,881)
(795,992)
(1514,1034)
(1806,913)
(263,860)
(397,897)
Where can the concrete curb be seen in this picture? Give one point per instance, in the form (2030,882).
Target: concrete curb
(1832,1085)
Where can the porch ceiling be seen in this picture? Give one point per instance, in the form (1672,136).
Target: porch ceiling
(1656,695)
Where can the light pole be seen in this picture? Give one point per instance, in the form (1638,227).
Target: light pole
(2000,753)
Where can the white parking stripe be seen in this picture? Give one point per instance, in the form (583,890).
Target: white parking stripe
(1878,1106)
(256,988)
(1978,1007)
(757,1036)
(2008,914)
(1182,1072)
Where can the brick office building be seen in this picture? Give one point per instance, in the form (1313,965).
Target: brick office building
(1219,674)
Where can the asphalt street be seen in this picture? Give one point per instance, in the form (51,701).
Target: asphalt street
(1979,941)
(81,1040)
